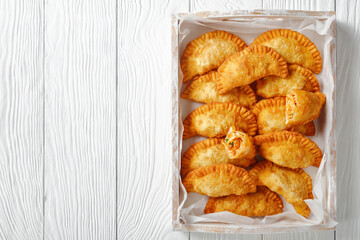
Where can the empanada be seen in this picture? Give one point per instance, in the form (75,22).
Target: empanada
(208,52)
(203,89)
(219,180)
(293,46)
(299,78)
(270,114)
(303,106)
(293,184)
(209,152)
(249,65)
(215,120)
(288,149)
(239,144)
(263,202)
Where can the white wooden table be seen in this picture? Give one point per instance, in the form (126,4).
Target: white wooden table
(84,118)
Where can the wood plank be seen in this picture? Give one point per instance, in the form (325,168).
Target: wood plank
(308,5)
(21,119)
(144,106)
(348,129)
(80,119)
(223,5)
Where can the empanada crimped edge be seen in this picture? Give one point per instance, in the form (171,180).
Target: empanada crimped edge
(300,38)
(311,78)
(292,137)
(246,114)
(191,47)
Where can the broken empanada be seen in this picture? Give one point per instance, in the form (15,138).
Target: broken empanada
(215,120)
(208,52)
(293,184)
(239,144)
(270,114)
(288,149)
(249,65)
(293,46)
(209,152)
(263,202)
(299,78)
(203,89)
(219,180)
(303,106)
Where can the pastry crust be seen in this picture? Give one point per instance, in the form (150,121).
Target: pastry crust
(293,46)
(270,114)
(293,184)
(209,152)
(288,149)
(239,144)
(219,180)
(303,106)
(299,78)
(203,89)
(249,65)
(215,120)
(208,52)
(263,202)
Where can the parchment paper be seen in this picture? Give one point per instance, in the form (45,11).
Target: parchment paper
(192,205)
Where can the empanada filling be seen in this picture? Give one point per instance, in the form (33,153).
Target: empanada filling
(238,144)
(291,105)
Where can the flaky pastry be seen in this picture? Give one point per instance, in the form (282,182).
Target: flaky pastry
(293,184)
(249,65)
(263,202)
(208,52)
(203,89)
(219,180)
(288,149)
(215,120)
(293,46)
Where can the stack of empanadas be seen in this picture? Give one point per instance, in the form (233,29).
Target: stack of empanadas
(280,66)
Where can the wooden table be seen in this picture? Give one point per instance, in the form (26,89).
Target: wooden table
(84,118)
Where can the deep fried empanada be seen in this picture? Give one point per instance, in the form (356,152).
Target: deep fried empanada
(215,120)
(239,144)
(209,152)
(270,114)
(249,65)
(303,106)
(208,52)
(293,184)
(263,202)
(288,149)
(293,46)
(219,180)
(203,89)
(299,78)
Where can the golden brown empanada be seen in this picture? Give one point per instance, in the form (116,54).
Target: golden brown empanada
(293,184)
(288,149)
(203,89)
(209,152)
(303,106)
(249,65)
(239,144)
(208,52)
(293,46)
(215,120)
(219,180)
(299,78)
(270,114)
(263,202)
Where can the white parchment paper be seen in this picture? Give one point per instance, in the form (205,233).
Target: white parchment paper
(192,205)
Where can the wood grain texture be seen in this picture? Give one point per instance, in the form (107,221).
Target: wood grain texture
(348,129)
(223,5)
(144,110)
(21,119)
(80,119)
